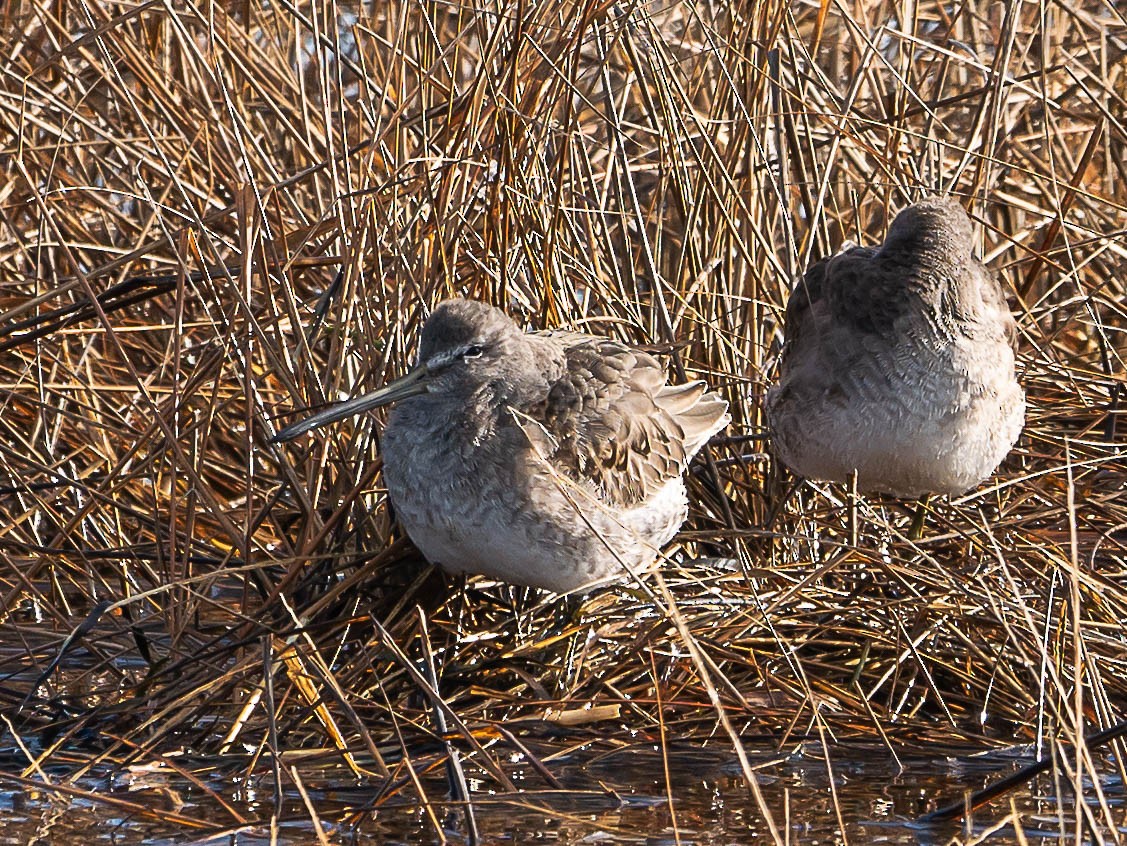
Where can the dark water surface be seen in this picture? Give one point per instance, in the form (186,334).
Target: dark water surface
(620,796)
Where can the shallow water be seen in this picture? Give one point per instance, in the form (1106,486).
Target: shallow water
(618,796)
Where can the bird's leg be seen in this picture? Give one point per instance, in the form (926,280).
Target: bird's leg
(916,530)
(853,534)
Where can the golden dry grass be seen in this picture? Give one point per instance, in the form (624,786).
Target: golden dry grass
(181,188)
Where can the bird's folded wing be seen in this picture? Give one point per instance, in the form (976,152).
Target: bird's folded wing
(799,317)
(614,422)
(866,292)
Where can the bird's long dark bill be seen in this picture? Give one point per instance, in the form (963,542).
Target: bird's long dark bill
(413,383)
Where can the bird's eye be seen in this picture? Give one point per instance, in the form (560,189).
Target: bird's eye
(473,351)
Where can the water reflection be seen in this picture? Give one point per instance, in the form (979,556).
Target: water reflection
(618,795)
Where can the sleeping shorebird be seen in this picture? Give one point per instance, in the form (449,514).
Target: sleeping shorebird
(898,363)
(548,459)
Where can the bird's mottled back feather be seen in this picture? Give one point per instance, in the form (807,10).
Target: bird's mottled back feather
(612,420)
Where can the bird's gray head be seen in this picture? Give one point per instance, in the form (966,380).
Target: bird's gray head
(935,225)
(462,340)
(463,334)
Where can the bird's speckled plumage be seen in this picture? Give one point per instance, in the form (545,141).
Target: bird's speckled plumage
(898,363)
(550,459)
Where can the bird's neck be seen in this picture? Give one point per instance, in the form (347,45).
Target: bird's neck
(450,417)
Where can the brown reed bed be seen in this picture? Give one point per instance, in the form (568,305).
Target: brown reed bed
(216,215)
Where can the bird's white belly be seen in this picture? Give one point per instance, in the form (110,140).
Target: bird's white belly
(528,528)
(923,430)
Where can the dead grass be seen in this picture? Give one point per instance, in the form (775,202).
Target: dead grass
(652,172)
